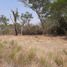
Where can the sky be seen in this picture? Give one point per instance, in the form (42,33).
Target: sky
(7,5)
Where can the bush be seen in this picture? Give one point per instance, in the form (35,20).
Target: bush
(32,30)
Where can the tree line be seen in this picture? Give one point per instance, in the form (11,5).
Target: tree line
(52,14)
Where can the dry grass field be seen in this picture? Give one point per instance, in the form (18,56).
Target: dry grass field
(33,51)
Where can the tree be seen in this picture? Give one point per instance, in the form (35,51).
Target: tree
(58,13)
(3,24)
(15,19)
(3,20)
(53,12)
(25,19)
(41,7)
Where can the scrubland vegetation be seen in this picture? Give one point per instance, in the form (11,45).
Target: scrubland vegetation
(52,15)
(35,45)
(33,51)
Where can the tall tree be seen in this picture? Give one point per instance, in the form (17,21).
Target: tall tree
(15,19)
(41,7)
(59,13)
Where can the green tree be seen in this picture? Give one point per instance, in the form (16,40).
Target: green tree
(59,13)
(25,19)
(3,20)
(51,14)
(4,24)
(41,7)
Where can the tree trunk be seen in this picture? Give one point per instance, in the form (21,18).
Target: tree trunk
(21,30)
(16,33)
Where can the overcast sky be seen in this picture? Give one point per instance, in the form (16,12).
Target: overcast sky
(7,5)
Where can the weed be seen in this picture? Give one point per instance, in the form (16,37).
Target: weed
(43,62)
(65,52)
(31,55)
(59,60)
(14,52)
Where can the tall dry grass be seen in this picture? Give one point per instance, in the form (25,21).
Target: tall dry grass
(13,54)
